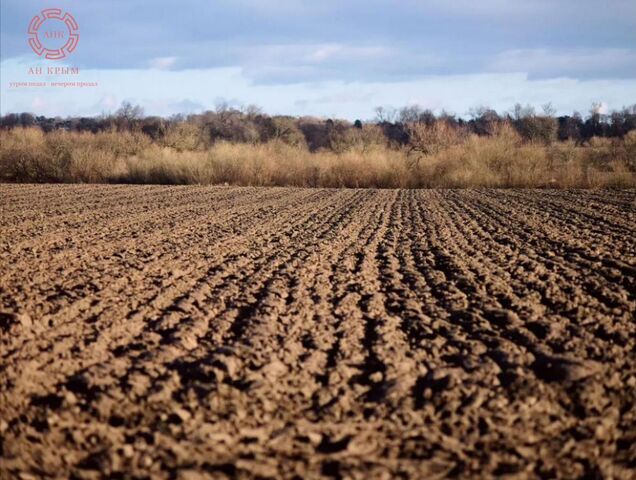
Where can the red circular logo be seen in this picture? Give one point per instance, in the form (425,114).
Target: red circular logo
(53,34)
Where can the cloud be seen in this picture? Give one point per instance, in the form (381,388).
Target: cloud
(332,57)
(332,61)
(351,94)
(486,7)
(202,89)
(108,103)
(185,106)
(38,103)
(162,63)
(334,40)
(347,53)
(608,62)
(169,106)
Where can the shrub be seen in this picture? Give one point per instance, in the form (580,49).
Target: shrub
(431,138)
(283,129)
(442,157)
(183,136)
(537,128)
(362,139)
(23,155)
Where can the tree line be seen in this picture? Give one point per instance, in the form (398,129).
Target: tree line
(394,127)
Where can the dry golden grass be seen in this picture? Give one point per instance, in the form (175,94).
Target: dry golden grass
(438,157)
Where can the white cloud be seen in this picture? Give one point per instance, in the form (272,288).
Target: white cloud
(312,53)
(108,103)
(371,39)
(38,103)
(486,7)
(547,62)
(162,63)
(164,92)
(302,63)
(339,52)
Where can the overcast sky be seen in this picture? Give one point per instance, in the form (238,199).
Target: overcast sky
(337,58)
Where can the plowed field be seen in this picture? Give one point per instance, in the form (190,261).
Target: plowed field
(205,332)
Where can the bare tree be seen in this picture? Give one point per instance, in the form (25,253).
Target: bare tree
(519,111)
(129,112)
(548,109)
(385,114)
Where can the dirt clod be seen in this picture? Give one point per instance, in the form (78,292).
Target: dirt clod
(221,332)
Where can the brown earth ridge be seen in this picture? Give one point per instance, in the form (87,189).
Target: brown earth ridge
(213,332)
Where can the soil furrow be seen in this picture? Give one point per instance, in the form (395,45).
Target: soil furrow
(222,332)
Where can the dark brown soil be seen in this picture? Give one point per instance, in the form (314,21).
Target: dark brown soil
(210,332)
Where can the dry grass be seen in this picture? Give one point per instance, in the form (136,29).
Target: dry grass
(270,164)
(438,157)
